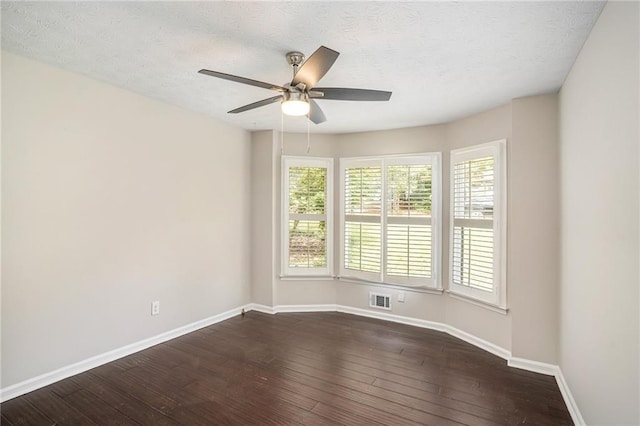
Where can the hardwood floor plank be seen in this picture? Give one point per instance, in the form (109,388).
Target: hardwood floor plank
(97,410)
(172,407)
(341,406)
(371,400)
(65,387)
(4,420)
(244,410)
(495,415)
(19,411)
(342,416)
(252,382)
(129,385)
(193,355)
(130,407)
(56,408)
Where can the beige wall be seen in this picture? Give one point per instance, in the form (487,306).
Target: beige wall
(111,200)
(263,271)
(533,197)
(599,137)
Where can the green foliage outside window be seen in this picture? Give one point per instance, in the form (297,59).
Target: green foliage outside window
(307,195)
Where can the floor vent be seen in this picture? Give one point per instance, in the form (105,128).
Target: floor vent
(382,301)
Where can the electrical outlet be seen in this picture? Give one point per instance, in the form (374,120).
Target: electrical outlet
(155,307)
(401,296)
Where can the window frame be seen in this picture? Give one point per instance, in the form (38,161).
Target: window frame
(435,160)
(496,149)
(287,162)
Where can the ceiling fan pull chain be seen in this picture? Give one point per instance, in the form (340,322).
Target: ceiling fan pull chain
(308,138)
(281,132)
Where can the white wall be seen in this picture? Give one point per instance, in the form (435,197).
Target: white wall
(111,200)
(599,137)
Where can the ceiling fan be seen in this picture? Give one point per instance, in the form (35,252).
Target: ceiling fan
(297,97)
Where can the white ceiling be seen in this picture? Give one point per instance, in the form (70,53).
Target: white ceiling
(441,60)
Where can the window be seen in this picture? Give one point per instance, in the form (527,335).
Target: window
(478,223)
(307,216)
(390,228)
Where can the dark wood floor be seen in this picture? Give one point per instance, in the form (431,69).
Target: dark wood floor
(304,368)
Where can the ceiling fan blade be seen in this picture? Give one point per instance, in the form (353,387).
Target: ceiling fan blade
(345,94)
(243,80)
(256,104)
(315,67)
(315,113)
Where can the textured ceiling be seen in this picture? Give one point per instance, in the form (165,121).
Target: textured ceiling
(441,60)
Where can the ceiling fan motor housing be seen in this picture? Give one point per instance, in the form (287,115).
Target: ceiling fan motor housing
(295,58)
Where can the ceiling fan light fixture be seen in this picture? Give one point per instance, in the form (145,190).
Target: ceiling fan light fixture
(295,104)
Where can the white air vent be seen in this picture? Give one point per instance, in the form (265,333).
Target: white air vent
(382,301)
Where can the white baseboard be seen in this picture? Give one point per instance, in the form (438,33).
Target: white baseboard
(46,379)
(260,308)
(305,308)
(481,343)
(290,308)
(576,416)
(391,317)
(535,366)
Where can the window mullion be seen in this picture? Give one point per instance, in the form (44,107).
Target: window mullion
(383,222)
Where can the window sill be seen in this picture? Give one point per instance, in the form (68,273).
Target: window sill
(429,290)
(482,304)
(307,277)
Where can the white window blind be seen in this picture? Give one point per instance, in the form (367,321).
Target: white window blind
(408,245)
(307,221)
(362,219)
(388,222)
(477,223)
